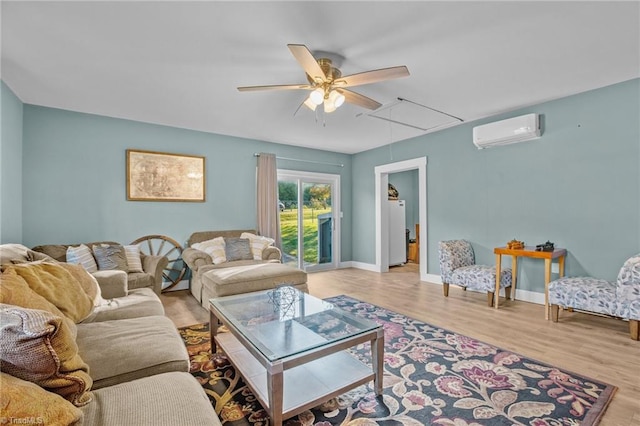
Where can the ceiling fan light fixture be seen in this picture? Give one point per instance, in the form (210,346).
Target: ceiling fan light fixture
(337,98)
(309,104)
(317,96)
(329,106)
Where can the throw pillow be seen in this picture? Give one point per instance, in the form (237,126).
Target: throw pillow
(81,255)
(258,243)
(11,252)
(237,249)
(38,347)
(21,399)
(15,291)
(87,281)
(53,282)
(133,258)
(110,256)
(214,248)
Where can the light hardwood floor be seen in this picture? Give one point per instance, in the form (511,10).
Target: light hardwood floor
(586,344)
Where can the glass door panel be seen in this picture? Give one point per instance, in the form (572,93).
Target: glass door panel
(317,224)
(288,197)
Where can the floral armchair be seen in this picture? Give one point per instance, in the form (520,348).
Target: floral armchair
(617,299)
(458,266)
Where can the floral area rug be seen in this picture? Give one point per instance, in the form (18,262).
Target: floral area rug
(432,377)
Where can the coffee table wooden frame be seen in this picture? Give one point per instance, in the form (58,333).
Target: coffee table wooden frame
(312,377)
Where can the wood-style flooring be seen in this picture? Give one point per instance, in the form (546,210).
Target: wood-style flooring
(594,346)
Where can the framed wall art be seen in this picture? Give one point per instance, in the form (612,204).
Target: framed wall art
(159,176)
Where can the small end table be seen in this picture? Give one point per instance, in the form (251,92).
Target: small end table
(529,251)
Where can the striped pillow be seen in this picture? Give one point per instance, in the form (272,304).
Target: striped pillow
(258,243)
(81,255)
(214,248)
(133,258)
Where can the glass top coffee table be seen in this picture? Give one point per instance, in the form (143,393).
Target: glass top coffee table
(290,348)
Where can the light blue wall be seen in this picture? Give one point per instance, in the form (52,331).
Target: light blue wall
(74,179)
(10,167)
(578,186)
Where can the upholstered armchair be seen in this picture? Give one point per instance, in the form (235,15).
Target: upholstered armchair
(458,266)
(619,299)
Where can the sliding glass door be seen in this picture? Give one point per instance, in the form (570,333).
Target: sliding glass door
(309,219)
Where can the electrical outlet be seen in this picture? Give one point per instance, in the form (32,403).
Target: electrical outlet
(555,268)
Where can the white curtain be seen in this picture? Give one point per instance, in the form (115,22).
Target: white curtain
(267,197)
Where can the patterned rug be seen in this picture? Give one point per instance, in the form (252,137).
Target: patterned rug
(432,376)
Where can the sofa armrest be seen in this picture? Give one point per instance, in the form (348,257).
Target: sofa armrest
(155,266)
(272,253)
(113,283)
(195,258)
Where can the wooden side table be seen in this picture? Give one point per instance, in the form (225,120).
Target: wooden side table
(529,251)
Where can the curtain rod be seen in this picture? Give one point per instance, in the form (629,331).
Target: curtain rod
(304,161)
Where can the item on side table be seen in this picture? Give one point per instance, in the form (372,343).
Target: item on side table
(515,245)
(548,246)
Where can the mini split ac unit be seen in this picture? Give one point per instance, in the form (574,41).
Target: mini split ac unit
(504,132)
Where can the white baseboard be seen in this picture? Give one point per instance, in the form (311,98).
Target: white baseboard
(524,295)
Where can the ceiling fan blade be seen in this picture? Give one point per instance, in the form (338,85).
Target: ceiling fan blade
(276,87)
(358,99)
(307,62)
(372,76)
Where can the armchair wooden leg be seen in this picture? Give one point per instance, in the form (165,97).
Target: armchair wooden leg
(490,299)
(507,293)
(464,289)
(445,289)
(634,329)
(555,311)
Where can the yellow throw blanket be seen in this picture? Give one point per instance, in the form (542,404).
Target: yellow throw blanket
(59,286)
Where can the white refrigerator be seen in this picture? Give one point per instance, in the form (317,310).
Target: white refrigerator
(397,233)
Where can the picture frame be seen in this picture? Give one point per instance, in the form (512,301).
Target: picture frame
(161,176)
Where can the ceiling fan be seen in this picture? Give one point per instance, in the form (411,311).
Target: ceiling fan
(327,85)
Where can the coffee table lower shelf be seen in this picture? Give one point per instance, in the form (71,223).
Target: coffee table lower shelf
(306,385)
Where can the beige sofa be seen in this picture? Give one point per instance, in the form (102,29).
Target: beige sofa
(129,358)
(152,266)
(209,280)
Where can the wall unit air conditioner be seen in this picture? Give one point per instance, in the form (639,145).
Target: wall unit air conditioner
(504,132)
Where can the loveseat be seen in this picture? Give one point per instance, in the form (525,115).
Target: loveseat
(229,262)
(149,275)
(68,356)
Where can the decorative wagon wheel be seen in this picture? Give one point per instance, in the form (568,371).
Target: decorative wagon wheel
(159,245)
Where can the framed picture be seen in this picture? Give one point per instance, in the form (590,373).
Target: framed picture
(159,176)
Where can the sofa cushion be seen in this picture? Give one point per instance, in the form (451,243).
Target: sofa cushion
(166,399)
(132,252)
(21,399)
(140,302)
(140,280)
(128,349)
(237,249)
(56,284)
(81,255)
(55,251)
(248,278)
(39,347)
(110,256)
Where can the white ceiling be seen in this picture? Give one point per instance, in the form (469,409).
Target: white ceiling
(179,63)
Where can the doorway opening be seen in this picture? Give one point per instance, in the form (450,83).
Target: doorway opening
(382,211)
